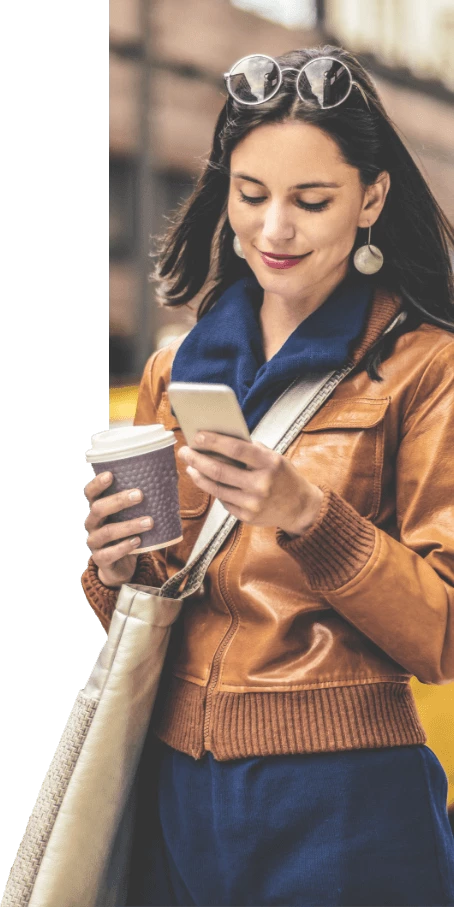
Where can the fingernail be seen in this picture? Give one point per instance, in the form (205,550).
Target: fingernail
(106,477)
(199,438)
(134,496)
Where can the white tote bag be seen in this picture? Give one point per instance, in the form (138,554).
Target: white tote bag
(79,835)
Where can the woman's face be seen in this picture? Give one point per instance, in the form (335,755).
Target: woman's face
(291,193)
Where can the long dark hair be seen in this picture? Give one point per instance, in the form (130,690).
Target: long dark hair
(196,253)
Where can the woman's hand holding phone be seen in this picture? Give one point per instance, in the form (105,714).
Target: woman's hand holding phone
(111,551)
(270,492)
(253,482)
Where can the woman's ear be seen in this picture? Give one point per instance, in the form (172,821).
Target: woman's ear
(374,199)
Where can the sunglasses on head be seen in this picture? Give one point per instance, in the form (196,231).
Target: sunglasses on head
(323,82)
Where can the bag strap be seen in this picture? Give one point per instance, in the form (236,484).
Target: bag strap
(280,425)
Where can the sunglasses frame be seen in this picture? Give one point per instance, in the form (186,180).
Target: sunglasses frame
(228,75)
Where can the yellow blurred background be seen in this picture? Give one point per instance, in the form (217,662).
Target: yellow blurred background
(167,58)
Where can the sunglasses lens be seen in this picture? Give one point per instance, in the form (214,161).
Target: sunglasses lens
(254,79)
(324,82)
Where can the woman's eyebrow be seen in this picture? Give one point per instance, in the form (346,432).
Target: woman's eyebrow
(315,185)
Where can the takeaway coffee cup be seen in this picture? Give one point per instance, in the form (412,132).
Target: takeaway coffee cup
(142,456)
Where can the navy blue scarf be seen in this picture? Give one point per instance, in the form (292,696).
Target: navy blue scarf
(225,346)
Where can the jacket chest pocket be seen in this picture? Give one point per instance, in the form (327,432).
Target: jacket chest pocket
(343,446)
(193,501)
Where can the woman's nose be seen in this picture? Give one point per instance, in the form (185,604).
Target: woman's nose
(277,225)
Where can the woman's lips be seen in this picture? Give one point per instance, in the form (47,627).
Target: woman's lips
(280,262)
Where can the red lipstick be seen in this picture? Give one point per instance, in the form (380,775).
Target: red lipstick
(281,261)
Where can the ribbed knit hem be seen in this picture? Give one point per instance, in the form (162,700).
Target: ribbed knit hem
(335,548)
(104,598)
(326,719)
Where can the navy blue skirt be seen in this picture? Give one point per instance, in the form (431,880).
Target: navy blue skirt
(360,827)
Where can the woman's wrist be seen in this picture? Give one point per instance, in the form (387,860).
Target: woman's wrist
(105,583)
(310,516)
(146,573)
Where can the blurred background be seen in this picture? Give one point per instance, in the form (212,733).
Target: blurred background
(167,58)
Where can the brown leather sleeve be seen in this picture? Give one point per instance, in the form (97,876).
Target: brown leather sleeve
(151,386)
(398,592)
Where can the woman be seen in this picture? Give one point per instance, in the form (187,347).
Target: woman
(292,764)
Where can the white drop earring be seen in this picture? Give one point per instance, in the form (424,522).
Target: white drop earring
(237,247)
(368,259)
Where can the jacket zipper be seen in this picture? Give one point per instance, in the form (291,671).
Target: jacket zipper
(217,659)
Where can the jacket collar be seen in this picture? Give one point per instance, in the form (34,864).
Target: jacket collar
(383,310)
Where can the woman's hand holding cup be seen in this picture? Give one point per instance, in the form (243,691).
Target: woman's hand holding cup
(111,551)
(130,456)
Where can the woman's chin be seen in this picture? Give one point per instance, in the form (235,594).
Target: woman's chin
(282,281)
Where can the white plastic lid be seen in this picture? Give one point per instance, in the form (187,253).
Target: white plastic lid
(131,440)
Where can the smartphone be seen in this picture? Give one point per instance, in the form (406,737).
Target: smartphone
(213,407)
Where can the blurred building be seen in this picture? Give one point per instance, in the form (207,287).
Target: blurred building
(166,89)
(411,36)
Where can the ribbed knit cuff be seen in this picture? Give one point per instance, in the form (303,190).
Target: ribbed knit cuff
(335,548)
(104,598)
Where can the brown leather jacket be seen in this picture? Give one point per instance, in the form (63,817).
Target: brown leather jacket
(308,644)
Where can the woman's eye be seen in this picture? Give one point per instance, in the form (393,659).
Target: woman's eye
(251,199)
(257,199)
(318,206)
